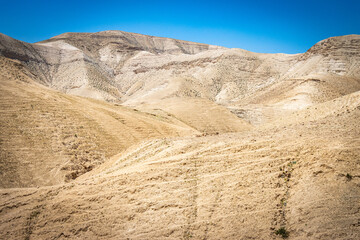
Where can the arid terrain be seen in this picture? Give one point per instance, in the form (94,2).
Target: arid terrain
(116,135)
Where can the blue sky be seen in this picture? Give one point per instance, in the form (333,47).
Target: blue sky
(261,26)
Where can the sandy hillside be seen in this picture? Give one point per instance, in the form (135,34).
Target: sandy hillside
(116,135)
(291,175)
(48,137)
(133,69)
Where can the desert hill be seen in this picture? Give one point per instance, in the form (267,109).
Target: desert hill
(133,69)
(48,137)
(291,175)
(116,135)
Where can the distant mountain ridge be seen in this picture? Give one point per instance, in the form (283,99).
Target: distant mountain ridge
(132,68)
(135,42)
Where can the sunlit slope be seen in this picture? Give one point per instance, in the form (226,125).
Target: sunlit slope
(144,67)
(289,96)
(199,113)
(302,174)
(133,69)
(48,137)
(171,160)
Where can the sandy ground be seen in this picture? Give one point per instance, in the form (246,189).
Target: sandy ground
(48,137)
(207,143)
(222,186)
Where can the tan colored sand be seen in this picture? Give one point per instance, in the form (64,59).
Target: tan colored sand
(195,141)
(48,137)
(222,186)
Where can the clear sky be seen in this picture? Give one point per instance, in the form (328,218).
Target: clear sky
(268,26)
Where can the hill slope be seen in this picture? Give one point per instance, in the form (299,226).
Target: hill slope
(133,69)
(194,142)
(291,175)
(48,137)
